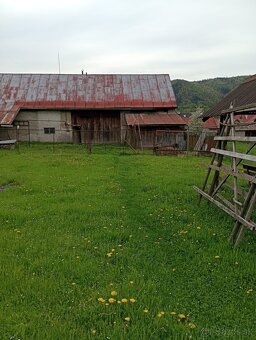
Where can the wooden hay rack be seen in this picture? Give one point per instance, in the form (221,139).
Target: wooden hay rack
(241,200)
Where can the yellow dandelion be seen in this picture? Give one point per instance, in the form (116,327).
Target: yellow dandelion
(119,302)
(124,300)
(217,257)
(131,282)
(113,293)
(132,300)
(173,313)
(159,315)
(182,316)
(94,331)
(127,318)
(145,310)
(191,325)
(173,269)
(249,291)
(113,250)
(162,313)
(109,254)
(111,300)
(101,300)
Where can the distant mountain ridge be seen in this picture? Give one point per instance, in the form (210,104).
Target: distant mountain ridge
(203,93)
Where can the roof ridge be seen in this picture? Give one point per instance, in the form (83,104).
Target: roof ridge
(250,78)
(84,74)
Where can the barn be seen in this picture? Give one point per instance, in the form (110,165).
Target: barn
(71,107)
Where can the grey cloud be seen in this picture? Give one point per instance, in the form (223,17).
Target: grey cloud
(192,40)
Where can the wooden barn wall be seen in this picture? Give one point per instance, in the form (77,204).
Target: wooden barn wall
(207,145)
(97,127)
(148,134)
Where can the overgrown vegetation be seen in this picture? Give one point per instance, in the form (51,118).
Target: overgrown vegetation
(204,93)
(113,246)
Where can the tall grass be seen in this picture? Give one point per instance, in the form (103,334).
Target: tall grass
(76,227)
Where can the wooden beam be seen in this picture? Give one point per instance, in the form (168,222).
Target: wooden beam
(225,130)
(234,154)
(8,142)
(249,225)
(250,147)
(237,174)
(250,107)
(236,138)
(248,205)
(241,191)
(225,201)
(247,217)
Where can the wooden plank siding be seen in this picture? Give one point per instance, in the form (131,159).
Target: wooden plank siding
(104,126)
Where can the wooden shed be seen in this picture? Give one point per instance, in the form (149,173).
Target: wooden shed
(74,107)
(143,129)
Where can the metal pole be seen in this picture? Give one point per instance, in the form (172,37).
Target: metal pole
(28,133)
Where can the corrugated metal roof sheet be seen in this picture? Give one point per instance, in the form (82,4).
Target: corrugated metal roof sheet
(83,91)
(154,119)
(244,94)
(245,118)
(210,123)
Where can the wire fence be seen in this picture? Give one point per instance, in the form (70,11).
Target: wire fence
(161,142)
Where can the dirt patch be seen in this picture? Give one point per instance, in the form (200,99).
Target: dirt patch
(3,187)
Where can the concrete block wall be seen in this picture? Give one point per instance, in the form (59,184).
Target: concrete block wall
(38,121)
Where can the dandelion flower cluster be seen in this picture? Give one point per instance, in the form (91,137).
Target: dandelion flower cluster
(160,314)
(112,300)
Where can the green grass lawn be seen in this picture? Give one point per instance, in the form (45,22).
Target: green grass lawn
(76,227)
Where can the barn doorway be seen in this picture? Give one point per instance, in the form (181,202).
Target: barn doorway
(77,138)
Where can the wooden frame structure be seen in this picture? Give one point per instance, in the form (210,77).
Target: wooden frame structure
(229,164)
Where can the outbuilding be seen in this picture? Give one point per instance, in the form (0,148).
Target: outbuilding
(74,107)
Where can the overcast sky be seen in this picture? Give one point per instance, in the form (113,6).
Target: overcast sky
(189,39)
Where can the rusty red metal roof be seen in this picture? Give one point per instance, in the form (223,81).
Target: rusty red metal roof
(83,91)
(154,119)
(245,118)
(211,123)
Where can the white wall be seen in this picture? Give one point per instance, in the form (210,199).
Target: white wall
(38,120)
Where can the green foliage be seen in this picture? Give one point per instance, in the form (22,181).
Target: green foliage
(204,93)
(65,210)
(196,124)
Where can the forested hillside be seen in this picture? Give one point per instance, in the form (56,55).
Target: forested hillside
(203,93)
